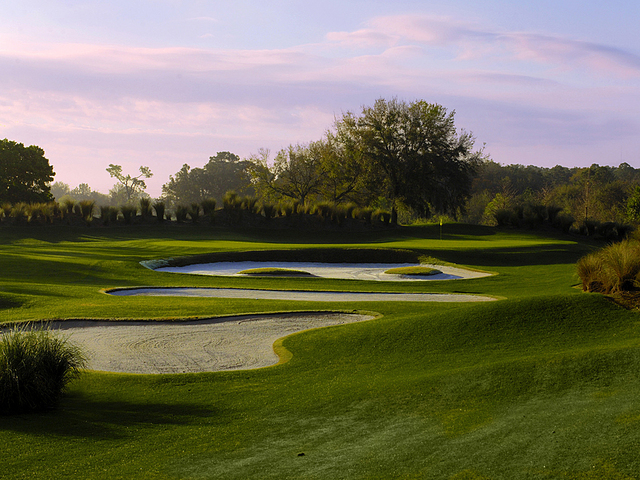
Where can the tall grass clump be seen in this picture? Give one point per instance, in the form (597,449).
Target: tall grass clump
(145,207)
(5,211)
(19,212)
(86,209)
(231,201)
(194,213)
(613,269)
(250,204)
(269,210)
(35,367)
(67,205)
(209,208)
(129,212)
(159,207)
(108,214)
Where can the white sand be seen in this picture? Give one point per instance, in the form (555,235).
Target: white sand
(231,343)
(311,296)
(350,271)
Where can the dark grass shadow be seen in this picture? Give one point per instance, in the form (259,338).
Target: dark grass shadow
(81,417)
(553,254)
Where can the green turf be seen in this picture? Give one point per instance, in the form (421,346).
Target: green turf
(541,385)
(413,271)
(274,272)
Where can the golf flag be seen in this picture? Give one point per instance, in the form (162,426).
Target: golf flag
(440,221)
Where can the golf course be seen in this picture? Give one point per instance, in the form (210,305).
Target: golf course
(537,381)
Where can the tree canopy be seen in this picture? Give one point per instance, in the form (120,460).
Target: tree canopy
(222,173)
(25,173)
(414,154)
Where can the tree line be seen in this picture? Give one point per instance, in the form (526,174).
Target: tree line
(405,158)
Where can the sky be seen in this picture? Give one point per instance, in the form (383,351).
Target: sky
(161,83)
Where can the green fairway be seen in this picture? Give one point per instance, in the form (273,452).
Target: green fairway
(542,384)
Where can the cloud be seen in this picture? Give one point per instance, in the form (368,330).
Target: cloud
(88,103)
(469,41)
(366,38)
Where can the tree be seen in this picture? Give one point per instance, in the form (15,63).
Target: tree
(59,190)
(633,205)
(222,173)
(414,154)
(25,173)
(131,186)
(297,171)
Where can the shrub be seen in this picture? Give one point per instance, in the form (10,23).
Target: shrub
(324,209)
(287,209)
(552,213)
(268,210)
(67,205)
(19,212)
(231,201)
(128,213)
(145,207)
(208,206)
(34,212)
(181,213)
(505,217)
(564,222)
(6,211)
(589,227)
(108,214)
(534,215)
(194,212)
(613,269)
(35,367)
(363,214)
(86,209)
(250,204)
(159,207)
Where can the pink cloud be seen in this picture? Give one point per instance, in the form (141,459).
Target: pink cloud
(91,105)
(366,38)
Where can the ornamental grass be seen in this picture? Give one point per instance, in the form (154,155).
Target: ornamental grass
(613,269)
(36,365)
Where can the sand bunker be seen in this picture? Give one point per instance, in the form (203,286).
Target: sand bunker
(350,271)
(231,343)
(295,295)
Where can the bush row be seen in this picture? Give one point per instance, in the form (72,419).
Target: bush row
(534,216)
(235,210)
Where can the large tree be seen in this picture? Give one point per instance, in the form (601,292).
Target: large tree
(414,154)
(224,172)
(25,173)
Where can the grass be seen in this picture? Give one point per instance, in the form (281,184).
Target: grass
(413,271)
(543,384)
(613,269)
(274,272)
(35,367)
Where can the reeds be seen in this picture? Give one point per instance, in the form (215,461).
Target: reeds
(35,367)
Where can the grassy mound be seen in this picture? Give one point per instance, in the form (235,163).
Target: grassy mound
(275,272)
(413,271)
(35,367)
